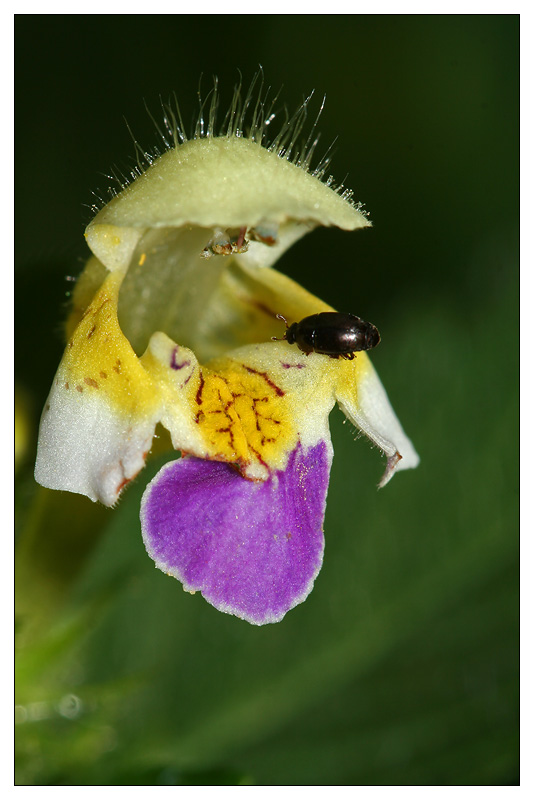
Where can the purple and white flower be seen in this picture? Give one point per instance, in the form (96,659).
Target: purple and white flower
(172,323)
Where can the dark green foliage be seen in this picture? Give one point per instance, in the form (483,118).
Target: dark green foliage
(402,665)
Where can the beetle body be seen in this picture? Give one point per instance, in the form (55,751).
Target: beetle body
(332,334)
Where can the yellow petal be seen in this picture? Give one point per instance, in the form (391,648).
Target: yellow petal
(98,423)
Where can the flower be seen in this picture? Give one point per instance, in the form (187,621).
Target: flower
(172,323)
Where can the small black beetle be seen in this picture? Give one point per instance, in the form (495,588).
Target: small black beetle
(332,334)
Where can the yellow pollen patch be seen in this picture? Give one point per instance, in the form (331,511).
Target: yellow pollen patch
(99,358)
(216,415)
(242,414)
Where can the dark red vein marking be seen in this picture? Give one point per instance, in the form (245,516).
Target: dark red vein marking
(175,364)
(266,378)
(200,389)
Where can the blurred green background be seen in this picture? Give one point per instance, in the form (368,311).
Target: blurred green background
(402,666)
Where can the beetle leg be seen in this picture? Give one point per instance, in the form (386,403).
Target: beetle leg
(281,338)
(281,316)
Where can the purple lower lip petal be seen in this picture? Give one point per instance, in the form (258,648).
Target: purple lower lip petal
(253,549)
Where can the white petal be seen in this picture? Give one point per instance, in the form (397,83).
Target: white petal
(88,448)
(367,406)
